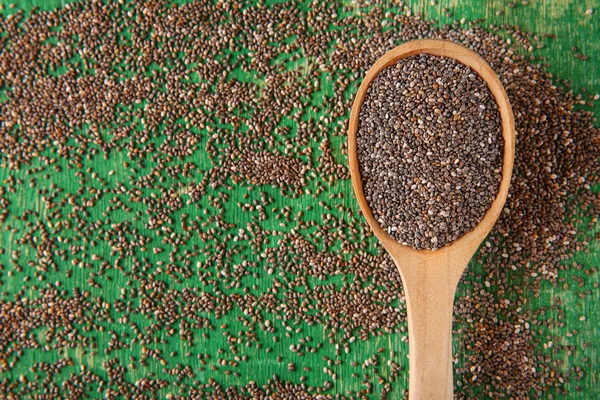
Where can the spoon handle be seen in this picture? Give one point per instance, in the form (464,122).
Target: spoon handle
(430,291)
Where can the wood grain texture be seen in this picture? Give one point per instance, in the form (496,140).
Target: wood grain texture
(573,28)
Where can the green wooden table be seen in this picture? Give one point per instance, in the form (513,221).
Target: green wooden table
(572,26)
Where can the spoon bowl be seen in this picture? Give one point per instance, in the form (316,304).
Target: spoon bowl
(430,277)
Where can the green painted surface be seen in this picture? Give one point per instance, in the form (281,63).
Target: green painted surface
(572,27)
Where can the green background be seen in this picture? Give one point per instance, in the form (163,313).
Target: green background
(573,27)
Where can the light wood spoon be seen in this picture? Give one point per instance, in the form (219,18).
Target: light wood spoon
(430,277)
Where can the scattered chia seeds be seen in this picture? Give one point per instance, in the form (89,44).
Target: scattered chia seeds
(430,150)
(175,201)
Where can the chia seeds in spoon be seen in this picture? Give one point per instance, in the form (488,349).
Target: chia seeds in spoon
(430,150)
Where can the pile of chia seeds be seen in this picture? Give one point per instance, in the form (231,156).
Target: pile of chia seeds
(430,150)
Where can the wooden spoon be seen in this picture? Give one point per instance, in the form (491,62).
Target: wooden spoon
(430,277)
